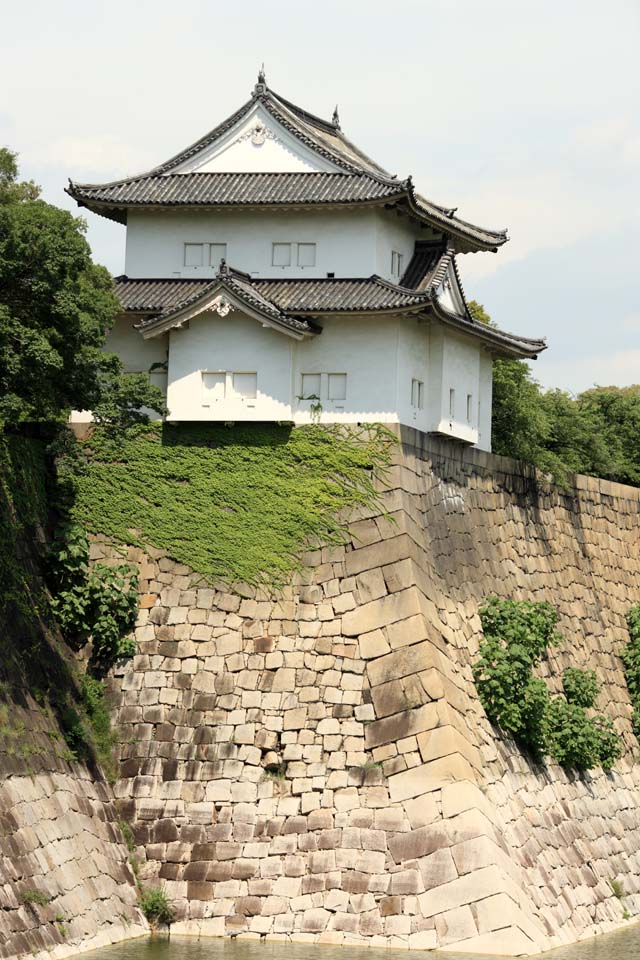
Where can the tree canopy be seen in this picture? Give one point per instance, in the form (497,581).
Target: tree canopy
(596,432)
(56,307)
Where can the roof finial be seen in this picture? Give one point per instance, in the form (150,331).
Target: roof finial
(261,85)
(335,119)
(223,269)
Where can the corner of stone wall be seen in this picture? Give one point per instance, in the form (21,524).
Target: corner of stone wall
(317,766)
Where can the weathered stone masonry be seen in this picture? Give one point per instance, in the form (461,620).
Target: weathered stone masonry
(59,837)
(318,766)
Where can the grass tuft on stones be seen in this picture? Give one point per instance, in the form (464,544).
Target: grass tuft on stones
(35,896)
(237,503)
(156,906)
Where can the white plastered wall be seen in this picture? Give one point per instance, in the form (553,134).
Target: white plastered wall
(413,364)
(365,349)
(395,232)
(455,362)
(379,355)
(137,355)
(485,400)
(345,241)
(235,343)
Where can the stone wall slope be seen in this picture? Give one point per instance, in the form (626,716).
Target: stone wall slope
(65,882)
(317,765)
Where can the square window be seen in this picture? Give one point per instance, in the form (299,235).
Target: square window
(306,254)
(310,386)
(417,394)
(281,255)
(193,254)
(213,387)
(245,385)
(337,386)
(217,252)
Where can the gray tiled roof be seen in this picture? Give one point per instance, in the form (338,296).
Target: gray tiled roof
(288,301)
(361,180)
(170,300)
(424,263)
(222,189)
(287,296)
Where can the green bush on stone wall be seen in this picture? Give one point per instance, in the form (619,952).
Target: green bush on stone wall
(517,635)
(631,662)
(97,603)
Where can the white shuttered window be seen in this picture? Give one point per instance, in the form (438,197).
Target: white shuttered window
(213,387)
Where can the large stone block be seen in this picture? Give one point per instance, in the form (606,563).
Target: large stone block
(509,942)
(455,925)
(444,741)
(315,920)
(428,777)
(379,613)
(378,554)
(400,725)
(468,889)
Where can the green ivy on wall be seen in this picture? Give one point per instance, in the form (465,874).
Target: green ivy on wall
(517,635)
(631,662)
(96,603)
(239,503)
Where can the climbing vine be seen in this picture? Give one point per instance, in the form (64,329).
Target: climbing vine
(631,662)
(517,635)
(240,503)
(97,603)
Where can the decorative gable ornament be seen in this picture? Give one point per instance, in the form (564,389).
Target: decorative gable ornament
(221,306)
(258,134)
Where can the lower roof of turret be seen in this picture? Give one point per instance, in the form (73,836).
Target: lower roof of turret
(298,302)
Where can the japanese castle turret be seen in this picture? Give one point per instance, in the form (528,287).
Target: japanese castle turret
(276,272)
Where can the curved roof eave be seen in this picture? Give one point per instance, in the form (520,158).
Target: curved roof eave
(327,139)
(503,343)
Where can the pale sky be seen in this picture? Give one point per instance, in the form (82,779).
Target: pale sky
(522,114)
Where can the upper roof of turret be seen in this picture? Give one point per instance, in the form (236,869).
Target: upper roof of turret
(308,162)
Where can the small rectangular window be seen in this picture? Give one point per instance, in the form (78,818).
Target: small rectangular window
(337,386)
(217,252)
(417,394)
(310,386)
(213,387)
(396,263)
(245,385)
(306,254)
(281,255)
(452,404)
(469,407)
(193,254)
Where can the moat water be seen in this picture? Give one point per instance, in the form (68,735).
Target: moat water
(621,945)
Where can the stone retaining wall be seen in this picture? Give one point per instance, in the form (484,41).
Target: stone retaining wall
(58,839)
(317,765)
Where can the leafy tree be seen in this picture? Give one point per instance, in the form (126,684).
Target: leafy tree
(616,410)
(519,422)
(56,307)
(596,433)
